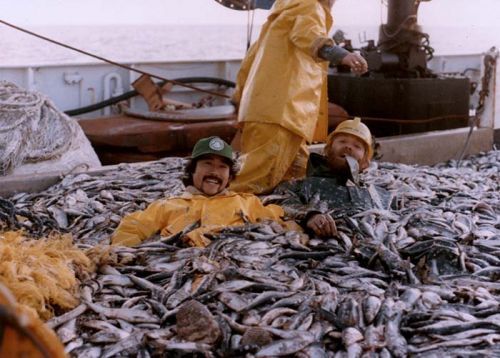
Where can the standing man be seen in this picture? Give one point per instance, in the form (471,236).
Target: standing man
(206,201)
(282,92)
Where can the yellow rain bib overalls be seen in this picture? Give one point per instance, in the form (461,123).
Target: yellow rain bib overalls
(282,95)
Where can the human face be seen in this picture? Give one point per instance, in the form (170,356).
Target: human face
(345,144)
(211,175)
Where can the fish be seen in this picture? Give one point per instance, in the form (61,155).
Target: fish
(67,332)
(283,347)
(130,315)
(66,317)
(418,279)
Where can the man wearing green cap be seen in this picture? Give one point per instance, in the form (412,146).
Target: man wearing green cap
(206,201)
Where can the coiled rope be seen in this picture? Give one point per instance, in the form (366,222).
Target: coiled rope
(31,128)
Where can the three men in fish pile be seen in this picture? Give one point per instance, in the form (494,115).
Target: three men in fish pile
(281,110)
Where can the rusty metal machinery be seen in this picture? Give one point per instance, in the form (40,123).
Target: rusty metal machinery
(400,94)
(403,48)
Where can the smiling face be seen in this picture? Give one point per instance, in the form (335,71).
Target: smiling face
(212,174)
(346,144)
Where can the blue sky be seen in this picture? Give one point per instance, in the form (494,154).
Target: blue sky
(346,12)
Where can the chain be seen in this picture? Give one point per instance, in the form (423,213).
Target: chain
(490,60)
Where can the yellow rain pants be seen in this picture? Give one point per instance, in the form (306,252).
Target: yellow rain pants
(285,156)
(172,215)
(282,81)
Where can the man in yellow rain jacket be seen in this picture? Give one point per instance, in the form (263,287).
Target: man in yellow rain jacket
(282,95)
(206,200)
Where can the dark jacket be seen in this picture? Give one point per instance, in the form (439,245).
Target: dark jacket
(325,191)
(317,166)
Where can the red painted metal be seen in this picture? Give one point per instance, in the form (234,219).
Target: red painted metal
(127,139)
(123,138)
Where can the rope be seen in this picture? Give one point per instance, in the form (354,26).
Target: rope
(31,128)
(400,27)
(123,97)
(112,62)
(250,22)
(472,124)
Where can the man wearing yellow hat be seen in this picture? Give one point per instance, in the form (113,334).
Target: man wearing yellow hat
(332,187)
(352,139)
(206,203)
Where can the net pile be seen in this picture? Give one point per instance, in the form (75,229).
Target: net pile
(33,130)
(41,274)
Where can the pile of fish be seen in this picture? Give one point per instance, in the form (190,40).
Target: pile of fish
(91,207)
(421,279)
(260,291)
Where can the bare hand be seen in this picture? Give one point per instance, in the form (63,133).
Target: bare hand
(356,62)
(322,225)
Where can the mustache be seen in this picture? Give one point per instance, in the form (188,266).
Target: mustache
(213,177)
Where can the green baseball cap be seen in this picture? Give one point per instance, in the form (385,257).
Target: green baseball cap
(212,145)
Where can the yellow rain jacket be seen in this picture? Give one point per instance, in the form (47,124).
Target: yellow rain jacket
(172,215)
(282,80)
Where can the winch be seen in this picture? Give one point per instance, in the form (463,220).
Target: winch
(400,94)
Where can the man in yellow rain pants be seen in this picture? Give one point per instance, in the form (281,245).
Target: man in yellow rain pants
(207,201)
(282,95)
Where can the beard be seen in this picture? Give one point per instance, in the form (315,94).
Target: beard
(339,165)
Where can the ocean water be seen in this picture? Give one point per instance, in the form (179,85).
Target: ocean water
(189,43)
(123,44)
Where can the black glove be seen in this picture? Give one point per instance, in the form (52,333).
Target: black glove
(334,54)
